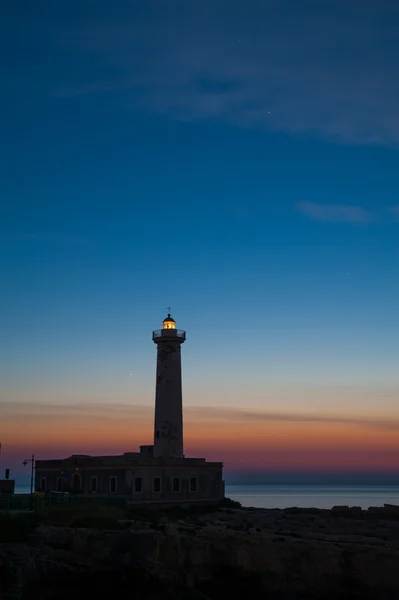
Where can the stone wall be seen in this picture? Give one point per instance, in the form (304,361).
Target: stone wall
(7,486)
(207,477)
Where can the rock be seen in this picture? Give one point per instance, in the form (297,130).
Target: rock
(270,552)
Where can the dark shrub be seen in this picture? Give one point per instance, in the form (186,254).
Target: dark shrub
(16,528)
(229,503)
(75,516)
(93,522)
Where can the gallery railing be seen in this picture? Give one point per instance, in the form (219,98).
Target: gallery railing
(159,333)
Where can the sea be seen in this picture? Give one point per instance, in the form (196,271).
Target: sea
(312,496)
(304,496)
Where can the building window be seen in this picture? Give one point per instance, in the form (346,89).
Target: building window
(112,485)
(193,484)
(59,484)
(157,484)
(176,484)
(76,482)
(43,484)
(93,485)
(138,484)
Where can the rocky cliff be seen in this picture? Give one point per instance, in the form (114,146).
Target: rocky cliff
(250,553)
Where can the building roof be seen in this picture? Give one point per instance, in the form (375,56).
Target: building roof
(123,460)
(169,318)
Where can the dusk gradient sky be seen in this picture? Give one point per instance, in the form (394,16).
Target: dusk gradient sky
(237,160)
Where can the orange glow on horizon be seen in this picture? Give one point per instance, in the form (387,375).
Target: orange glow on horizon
(241,440)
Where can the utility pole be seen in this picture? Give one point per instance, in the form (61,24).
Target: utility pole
(32,463)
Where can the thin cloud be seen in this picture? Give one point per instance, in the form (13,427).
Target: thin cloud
(98,410)
(101,411)
(338,213)
(236,414)
(270,65)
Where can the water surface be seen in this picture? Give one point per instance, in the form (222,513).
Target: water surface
(304,496)
(312,496)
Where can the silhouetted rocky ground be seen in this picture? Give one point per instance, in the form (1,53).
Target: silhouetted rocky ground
(228,553)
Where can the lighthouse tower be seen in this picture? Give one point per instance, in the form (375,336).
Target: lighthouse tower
(168,422)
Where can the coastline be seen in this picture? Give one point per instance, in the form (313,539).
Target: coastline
(312,495)
(283,496)
(294,553)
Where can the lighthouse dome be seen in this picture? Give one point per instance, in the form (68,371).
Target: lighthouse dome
(169,323)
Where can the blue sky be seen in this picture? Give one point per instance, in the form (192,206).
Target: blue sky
(236,160)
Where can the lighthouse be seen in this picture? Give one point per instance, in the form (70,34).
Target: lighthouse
(168,421)
(158,472)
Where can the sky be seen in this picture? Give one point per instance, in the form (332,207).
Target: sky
(236,160)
